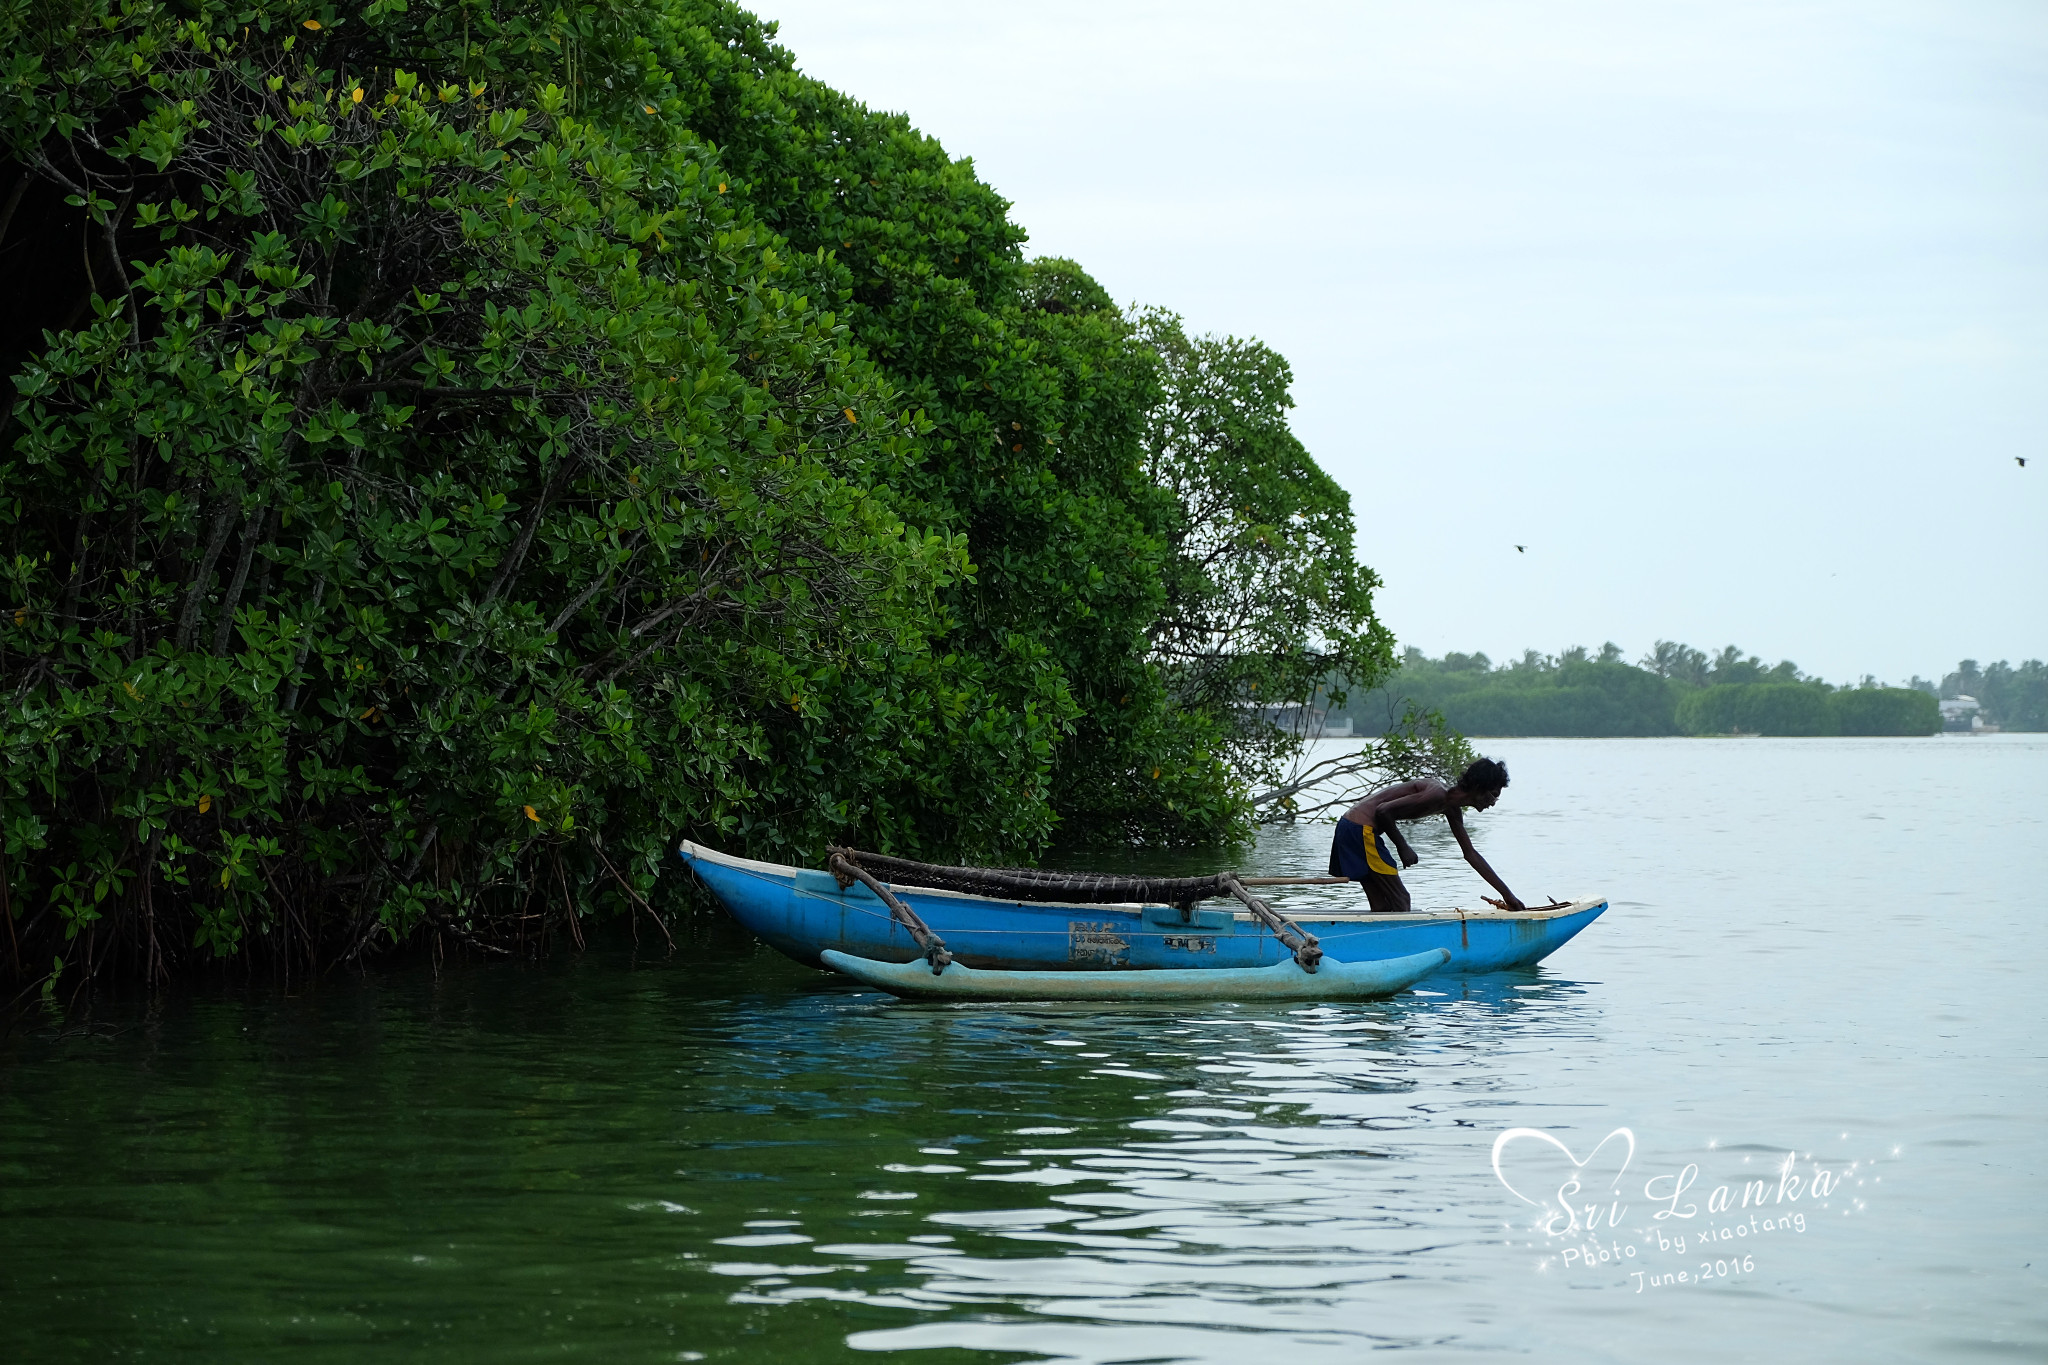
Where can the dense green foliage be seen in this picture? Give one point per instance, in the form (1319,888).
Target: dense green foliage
(1579,698)
(1757,709)
(460,450)
(1131,496)
(1674,690)
(1884,711)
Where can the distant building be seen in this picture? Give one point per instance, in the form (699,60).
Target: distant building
(1305,721)
(1959,716)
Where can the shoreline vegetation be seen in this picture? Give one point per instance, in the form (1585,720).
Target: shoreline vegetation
(454,452)
(1679,690)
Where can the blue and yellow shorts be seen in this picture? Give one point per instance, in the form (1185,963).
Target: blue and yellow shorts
(1357,853)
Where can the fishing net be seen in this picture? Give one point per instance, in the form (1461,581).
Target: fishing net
(1037,884)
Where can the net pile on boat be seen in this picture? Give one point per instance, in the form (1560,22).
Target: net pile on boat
(1038,884)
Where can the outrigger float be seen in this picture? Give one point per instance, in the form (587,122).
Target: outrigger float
(921,930)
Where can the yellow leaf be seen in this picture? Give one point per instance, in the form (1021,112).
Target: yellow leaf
(356,94)
(226,875)
(21,617)
(721,187)
(1155,774)
(313,24)
(205,803)
(530,815)
(648,107)
(131,690)
(850,417)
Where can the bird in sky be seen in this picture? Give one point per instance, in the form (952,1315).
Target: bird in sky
(2022,459)
(1523,549)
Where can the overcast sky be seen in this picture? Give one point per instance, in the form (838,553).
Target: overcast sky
(1735,314)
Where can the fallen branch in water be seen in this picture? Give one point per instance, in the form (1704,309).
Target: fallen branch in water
(1419,744)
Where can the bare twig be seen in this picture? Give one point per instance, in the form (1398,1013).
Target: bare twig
(14,200)
(630,891)
(189,619)
(232,598)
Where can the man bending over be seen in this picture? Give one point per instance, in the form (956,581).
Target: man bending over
(1357,853)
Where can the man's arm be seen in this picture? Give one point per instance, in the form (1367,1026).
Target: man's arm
(1479,864)
(1409,801)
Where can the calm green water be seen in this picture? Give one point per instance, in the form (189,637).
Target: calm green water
(1827,948)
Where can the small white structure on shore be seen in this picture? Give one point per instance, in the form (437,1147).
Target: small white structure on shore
(1959,716)
(1305,721)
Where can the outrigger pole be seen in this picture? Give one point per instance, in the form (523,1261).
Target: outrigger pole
(1308,950)
(847,872)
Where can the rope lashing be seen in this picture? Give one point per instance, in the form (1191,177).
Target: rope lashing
(930,944)
(1308,950)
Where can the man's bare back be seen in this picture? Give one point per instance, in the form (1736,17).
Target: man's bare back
(1381,814)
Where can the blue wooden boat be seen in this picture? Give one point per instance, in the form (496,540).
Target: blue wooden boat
(804,913)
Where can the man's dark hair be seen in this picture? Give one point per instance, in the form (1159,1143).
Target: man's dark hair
(1485,775)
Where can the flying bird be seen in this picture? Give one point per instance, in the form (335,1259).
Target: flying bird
(2022,459)
(1523,549)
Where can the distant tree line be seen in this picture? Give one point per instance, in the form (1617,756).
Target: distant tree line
(1676,689)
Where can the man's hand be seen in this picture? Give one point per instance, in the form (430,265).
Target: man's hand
(1508,901)
(1409,858)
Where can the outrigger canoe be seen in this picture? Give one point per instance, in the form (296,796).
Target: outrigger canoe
(1043,936)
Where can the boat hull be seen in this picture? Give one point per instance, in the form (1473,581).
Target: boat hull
(1281,981)
(803,913)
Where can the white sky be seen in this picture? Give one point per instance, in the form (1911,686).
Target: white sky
(1734,312)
